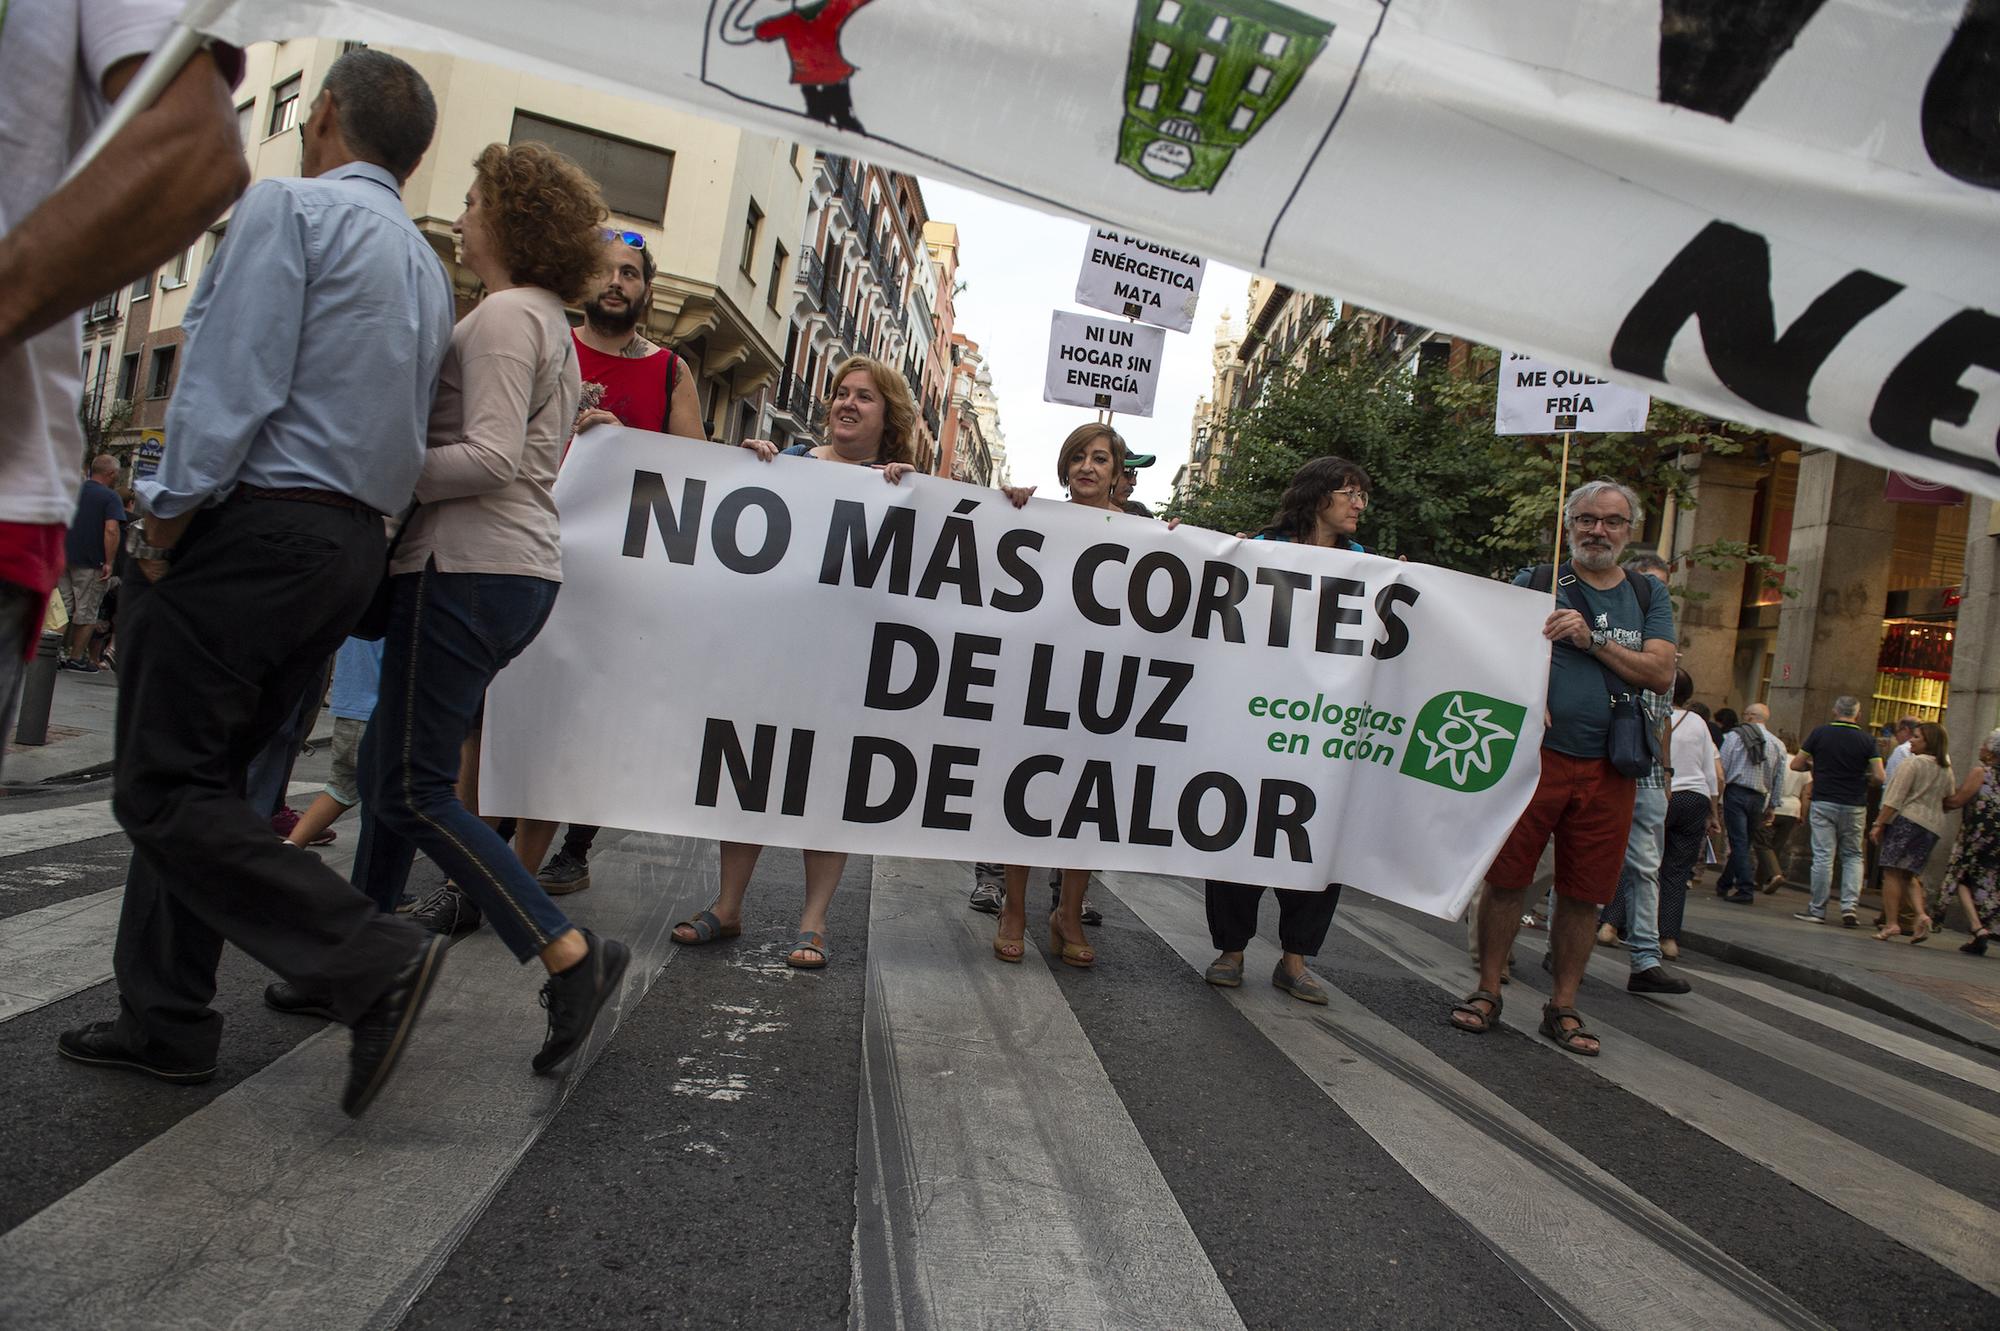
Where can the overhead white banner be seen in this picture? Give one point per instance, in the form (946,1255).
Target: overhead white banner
(1102,363)
(1781,213)
(1536,397)
(1139,279)
(809,656)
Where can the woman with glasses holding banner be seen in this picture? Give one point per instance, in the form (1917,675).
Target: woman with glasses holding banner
(1322,506)
(871,422)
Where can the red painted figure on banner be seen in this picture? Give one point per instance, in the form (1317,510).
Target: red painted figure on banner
(811,34)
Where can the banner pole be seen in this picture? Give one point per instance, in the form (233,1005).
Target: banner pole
(1562,494)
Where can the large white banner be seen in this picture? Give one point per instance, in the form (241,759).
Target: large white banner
(1781,213)
(809,656)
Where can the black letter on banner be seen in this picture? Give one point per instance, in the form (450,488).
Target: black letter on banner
(1332,614)
(1223,587)
(1014,800)
(1715,53)
(798,771)
(1273,818)
(943,785)
(1094,802)
(1395,633)
(751,777)
(1181,591)
(860,770)
(1089,691)
(1143,831)
(729,517)
(1925,387)
(649,500)
(1038,712)
(1017,567)
(1722,280)
(1283,582)
(1082,586)
(964,676)
(847,535)
(1235,811)
(954,559)
(1961,111)
(882,663)
(1178,674)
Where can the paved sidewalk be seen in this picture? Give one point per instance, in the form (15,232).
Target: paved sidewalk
(1932,984)
(81,723)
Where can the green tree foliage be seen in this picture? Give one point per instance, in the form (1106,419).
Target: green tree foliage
(1447,489)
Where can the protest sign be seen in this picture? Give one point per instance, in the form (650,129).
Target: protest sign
(1781,214)
(1536,397)
(809,656)
(1140,280)
(1102,363)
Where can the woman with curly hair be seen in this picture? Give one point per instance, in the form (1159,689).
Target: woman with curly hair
(1321,506)
(476,572)
(870,422)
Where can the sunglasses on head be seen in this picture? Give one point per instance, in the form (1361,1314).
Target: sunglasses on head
(632,238)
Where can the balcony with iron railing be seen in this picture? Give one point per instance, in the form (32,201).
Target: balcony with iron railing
(812,277)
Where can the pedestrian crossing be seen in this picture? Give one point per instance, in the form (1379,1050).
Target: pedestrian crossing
(1009,1164)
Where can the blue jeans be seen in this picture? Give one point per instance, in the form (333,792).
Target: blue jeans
(1639,881)
(449,635)
(1742,809)
(1836,828)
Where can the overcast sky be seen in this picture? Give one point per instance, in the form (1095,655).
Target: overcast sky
(1018,265)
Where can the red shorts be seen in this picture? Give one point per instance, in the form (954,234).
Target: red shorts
(1587,806)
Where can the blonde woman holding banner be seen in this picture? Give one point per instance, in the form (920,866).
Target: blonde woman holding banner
(1089,465)
(871,422)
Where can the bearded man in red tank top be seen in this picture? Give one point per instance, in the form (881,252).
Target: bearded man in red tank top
(646,387)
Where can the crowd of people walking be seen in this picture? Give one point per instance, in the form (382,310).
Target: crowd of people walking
(329,395)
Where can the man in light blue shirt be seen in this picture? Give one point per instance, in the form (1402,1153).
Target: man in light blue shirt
(1753,780)
(314,343)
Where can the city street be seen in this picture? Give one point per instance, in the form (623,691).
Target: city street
(921,1137)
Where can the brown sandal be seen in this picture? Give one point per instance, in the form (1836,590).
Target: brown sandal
(1487,1020)
(1553,1018)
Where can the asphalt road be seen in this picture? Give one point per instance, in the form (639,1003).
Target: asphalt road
(921,1137)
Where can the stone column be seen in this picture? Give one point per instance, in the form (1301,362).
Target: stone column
(1725,498)
(1974,708)
(1830,634)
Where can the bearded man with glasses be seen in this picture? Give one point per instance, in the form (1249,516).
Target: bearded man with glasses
(1611,632)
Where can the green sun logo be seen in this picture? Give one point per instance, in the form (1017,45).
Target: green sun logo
(1463,741)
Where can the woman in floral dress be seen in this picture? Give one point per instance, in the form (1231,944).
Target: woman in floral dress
(1975,860)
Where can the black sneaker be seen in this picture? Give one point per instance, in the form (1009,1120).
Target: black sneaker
(1656,980)
(564,874)
(1091,915)
(986,898)
(383,1032)
(574,998)
(96,1045)
(449,912)
(1848,920)
(286,997)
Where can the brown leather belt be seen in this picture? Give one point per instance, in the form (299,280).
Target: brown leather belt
(330,498)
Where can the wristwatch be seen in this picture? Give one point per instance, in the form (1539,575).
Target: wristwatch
(140,550)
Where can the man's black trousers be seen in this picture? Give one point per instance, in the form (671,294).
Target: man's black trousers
(212,660)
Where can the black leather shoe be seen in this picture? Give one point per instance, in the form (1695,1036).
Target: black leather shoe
(574,998)
(96,1045)
(384,1030)
(447,911)
(1656,980)
(286,997)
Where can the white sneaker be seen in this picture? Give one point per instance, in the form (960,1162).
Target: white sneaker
(1808,917)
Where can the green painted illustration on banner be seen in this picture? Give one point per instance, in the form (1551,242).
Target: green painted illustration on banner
(1204,76)
(1463,741)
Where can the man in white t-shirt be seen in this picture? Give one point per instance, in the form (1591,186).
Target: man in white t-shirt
(146,197)
(1904,729)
